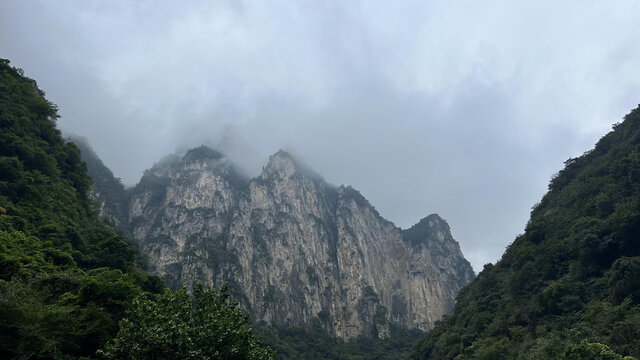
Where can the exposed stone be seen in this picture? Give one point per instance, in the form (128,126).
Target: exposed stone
(293,248)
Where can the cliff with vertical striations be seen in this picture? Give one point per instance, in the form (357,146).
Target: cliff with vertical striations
(294,249)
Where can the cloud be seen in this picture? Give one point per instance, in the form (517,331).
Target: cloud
(463,108)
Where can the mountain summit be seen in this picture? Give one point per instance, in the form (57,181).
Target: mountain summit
(282,164)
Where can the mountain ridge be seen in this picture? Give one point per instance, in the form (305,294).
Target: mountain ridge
(200,218)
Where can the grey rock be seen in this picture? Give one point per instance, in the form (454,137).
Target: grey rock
(294,249)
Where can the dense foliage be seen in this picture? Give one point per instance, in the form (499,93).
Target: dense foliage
(66,279)
(203,325)
(569,287)
(316,344)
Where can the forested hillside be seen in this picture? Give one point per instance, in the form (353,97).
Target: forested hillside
(67,279)
(569,287)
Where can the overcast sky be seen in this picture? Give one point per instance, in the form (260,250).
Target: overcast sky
(463,108)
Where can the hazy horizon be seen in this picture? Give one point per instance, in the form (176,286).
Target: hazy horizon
(465,110)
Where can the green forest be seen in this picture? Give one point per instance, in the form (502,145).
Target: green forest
(569,287)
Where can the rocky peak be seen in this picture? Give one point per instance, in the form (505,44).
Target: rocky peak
(430,228)
(197,162)
(282,166)
(202,153)
(199,158)
(208,159)
(434,221)
(294,249)
(433,234)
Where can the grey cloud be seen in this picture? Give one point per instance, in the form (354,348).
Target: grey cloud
(462,108)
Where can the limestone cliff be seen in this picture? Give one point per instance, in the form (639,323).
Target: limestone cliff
(293,248)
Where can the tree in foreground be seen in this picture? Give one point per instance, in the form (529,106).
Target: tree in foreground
(203,325)
(592,351)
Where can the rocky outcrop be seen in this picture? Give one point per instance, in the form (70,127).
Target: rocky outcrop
(432,236)
(294,249)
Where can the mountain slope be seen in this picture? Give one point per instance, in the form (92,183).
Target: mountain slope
(106,188)
(295,250)
(572,280)
(66,279)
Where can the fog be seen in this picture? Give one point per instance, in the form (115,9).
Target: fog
(462,108)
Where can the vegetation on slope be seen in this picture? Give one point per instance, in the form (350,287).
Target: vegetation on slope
(316,344)
(106,188)
(569,287)
(66,279)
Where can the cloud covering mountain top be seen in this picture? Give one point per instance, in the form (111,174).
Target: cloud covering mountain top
(465,109)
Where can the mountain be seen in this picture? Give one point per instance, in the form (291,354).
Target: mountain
(569,287)
(295,250)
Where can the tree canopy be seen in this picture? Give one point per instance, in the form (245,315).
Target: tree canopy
(205,324)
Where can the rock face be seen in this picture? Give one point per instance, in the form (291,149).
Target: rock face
(294,249)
